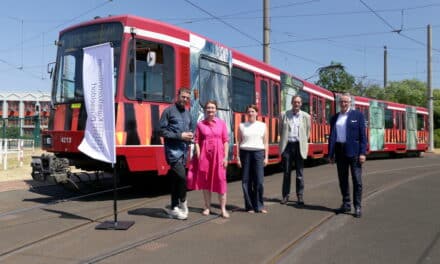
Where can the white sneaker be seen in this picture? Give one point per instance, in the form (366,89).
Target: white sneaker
(176,213)
(183,206)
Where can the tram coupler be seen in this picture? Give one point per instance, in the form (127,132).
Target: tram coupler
(48,168)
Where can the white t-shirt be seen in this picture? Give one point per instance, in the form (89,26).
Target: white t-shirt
(252,135)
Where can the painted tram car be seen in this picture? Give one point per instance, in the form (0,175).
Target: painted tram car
(211,71)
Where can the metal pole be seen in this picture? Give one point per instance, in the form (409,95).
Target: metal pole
(115,195)
(37,129)
(266,32)
(430,95)
(385,66)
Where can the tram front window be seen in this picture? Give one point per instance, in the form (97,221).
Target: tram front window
(68,79)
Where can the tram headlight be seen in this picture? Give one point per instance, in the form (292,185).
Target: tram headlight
(47,141)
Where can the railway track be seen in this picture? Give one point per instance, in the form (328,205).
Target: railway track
(178,227)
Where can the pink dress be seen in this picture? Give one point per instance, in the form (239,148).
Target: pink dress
(207,172)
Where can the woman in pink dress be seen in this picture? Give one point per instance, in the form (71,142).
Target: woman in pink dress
(208,167)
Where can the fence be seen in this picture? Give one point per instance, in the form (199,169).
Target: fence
(10,148)
(28,127)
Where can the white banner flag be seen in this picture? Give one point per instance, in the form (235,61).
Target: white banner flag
(98,83)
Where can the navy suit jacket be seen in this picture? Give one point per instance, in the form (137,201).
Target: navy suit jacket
(356,141)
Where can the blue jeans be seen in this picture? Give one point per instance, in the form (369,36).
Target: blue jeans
(252,163)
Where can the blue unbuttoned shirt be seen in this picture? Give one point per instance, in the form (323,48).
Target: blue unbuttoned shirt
(173,122)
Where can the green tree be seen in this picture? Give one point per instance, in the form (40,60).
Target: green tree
(12,132)
(375,91)
(335,78)
(412,92)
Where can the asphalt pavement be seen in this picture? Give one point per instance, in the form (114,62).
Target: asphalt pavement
(400,224)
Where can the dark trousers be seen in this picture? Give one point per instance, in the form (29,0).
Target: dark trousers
(177,173)
(252,163)
(292,153)
(343,164)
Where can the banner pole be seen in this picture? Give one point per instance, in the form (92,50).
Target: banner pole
(115,194)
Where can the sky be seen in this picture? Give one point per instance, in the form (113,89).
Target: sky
(304,34)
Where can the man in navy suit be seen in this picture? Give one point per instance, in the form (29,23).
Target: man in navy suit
(347,146)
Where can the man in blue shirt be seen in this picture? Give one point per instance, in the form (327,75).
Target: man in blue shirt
(175,128)
(347,145)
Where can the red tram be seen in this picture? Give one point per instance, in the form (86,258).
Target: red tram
(211,71)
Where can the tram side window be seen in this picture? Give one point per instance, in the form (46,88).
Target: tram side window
(364,111)
(328,111)
(264,98)
(400,120)
(243,89)
(420,122)
(388,119)
(153,82)
(317,109)
(366,116)
(275,100)
(305,101)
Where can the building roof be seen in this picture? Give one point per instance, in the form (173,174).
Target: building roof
(24,96)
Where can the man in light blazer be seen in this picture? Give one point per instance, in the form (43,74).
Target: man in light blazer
(347,145)
(294,135)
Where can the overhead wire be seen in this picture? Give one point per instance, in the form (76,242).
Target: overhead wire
(22,68)
(380,17)
(224,22)
(274,17)
(317,63)
(328,38)
(394,30)
(233,15)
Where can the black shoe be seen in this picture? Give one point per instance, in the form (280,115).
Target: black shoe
(357,212)
(300,200)
(343,209)
(284,200)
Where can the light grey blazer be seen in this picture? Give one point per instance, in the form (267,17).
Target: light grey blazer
(304,131)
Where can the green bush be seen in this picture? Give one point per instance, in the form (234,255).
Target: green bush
(437,138)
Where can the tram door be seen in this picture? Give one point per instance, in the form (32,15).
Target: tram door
(211,79)
(411,128)
(268,101)
(274,112)
(377,125)
(317,112)
(400,126)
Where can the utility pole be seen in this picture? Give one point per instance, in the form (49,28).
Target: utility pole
(385,67)
(430,95)
(266,32)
